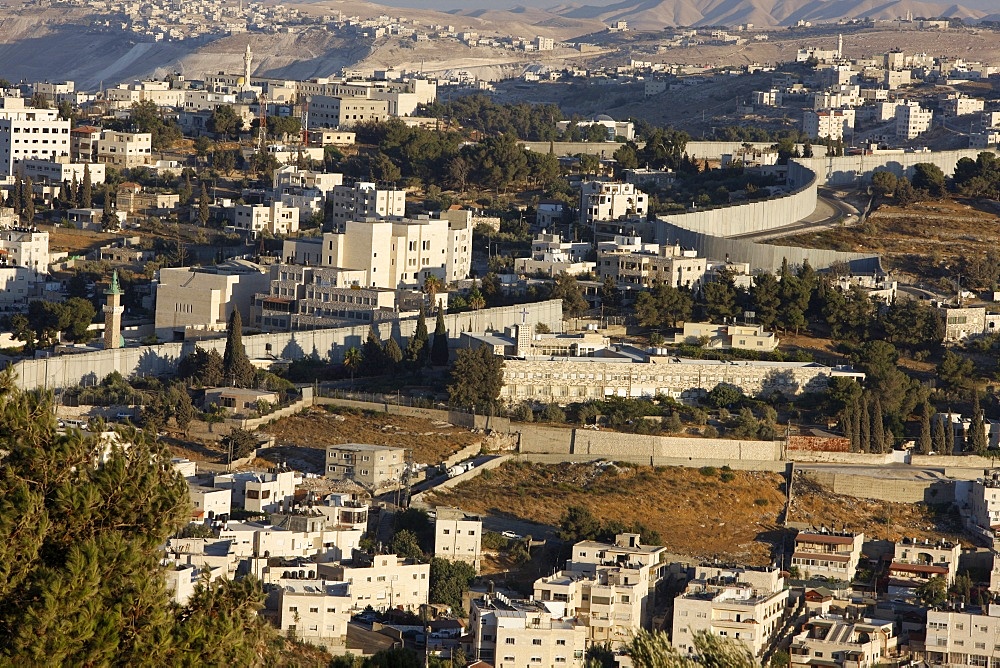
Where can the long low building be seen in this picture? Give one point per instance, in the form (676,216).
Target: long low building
(631,373)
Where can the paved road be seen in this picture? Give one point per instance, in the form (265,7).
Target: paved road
(830,211)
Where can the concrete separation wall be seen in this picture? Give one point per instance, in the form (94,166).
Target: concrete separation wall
(454,417)
(851,169)
(641,460)
(855,458)
(901,491)
(70,370)
(536,438)
(420,500)
(614,445)
(713,150)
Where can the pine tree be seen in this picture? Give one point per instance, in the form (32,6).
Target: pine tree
(878,442)
(109,220)
(938,437)
(203,210)
(865,425)
(416,347)
(977,442)
(236,367)
(949,436)
(86,189)
(439,349)
(924,443)
(81,579)
(15,196)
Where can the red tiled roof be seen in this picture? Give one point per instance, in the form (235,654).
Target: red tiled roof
(918,568)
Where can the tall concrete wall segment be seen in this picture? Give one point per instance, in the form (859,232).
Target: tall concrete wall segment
(858,169)
(331,344)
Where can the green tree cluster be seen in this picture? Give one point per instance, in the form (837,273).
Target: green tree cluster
(237,369)
(476,379)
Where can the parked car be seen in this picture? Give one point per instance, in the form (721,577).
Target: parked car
(511,535)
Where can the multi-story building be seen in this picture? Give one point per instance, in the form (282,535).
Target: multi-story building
(374,467)
(398,254)
(388,582)
(726,337)
(208,502)
(260,492)
(316,611)
(125,150)
(830,124)
(512,634)
(984,499)
(364,201)
(600,200)
(912,120)
(27,133)
(958,104)
(963,637)
(633,264)
(83,141)
(61,171)
(275,218)
(630,372)
(327,111)
(458,536)
(844,644)
(915,562)
(25,247)
(743,605)
(659,178)
(551,255)
(544,43)
(192,299)
(829,554)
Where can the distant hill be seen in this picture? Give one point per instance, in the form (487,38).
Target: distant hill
(654,14)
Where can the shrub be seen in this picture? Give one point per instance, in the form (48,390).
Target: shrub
(710,432)
(707,471)
(760,502)
(727,476)
(552,413)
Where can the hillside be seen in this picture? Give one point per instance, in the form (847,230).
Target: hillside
(652,15)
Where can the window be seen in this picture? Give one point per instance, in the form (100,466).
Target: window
(561,641)
(313,609)
(509,641)
(536,641)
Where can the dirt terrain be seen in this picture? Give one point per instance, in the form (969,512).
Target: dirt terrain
(924,239)
(306,435)
(814,504)
(696,514)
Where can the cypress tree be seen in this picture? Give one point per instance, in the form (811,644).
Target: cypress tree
(393,354)
(236,367)
(15,196)
(86,189)
(977,442)
(73,193)
(373,355)
(416,347)
(878,444)
(203,210)
(439,349)
(29,201)
(865,427)
(949,436)
(924,443)
(937,436)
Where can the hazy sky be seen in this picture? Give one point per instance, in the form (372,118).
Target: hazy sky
(984,5)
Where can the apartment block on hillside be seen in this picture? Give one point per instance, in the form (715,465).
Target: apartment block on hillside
(828,554)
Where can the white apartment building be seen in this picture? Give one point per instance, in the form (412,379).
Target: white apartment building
(551,255)
(25,247)
(912,120)
(291,176)
(961,105)
(27,133)
(260,492)
(726,337)
(388,582)
(374,467)
(742,605)
(83,141)
(963,638)
(634,264)
(984,500)
(327,111)
(395,254)
(275,218)
(600,200)
(61,171)
(208,502)
(258,542)
(838,642)
(830,123)
(513,634)
(548,214)
(125,150)
(202,298)
(828,554)
(767,98)
(363,201)
(316,611)
(458,536)
(915,562)
(55,91)
(544,43)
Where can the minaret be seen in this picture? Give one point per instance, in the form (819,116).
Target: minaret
(113,310)
(840,47)
(247,59)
